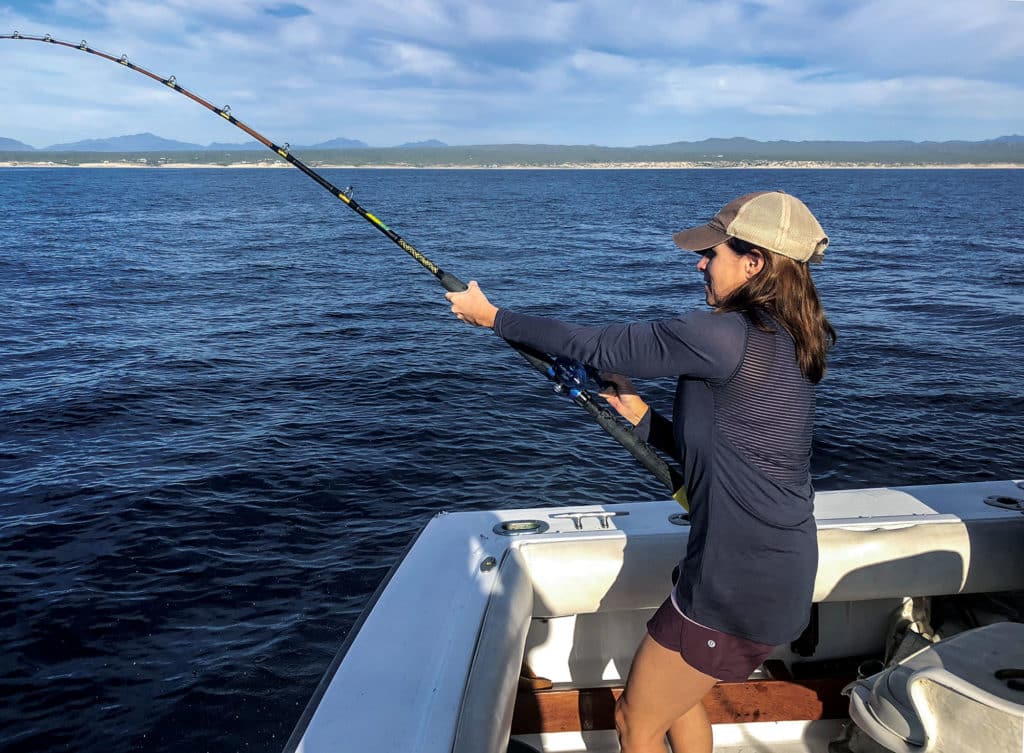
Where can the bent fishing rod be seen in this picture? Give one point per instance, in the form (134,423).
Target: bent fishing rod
(575,389)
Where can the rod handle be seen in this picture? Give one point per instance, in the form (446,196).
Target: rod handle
(451,283)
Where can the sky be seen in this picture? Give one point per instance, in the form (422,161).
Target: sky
(518,71)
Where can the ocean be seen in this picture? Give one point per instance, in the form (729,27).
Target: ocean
(227,403)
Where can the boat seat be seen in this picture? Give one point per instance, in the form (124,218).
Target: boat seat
(960,695)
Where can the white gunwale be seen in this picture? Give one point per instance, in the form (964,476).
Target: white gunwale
(446,636)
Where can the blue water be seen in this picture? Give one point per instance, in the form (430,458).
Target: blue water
(227,402)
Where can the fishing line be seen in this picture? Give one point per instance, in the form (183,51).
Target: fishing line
(639,449)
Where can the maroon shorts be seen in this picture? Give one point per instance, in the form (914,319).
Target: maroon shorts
(720,655)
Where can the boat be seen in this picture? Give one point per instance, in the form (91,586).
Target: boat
(513,630)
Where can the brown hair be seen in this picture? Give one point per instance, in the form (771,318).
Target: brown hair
(784,291)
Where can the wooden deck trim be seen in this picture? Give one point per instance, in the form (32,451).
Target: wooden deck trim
(774,700)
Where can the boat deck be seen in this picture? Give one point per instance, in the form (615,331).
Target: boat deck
(757,737)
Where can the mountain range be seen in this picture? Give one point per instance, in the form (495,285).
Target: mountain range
(148,142)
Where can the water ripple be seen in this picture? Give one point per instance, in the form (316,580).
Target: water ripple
(227,409)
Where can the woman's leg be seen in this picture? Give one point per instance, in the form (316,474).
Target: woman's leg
(663,693)
(691,733)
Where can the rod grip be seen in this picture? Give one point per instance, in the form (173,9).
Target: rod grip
(450,282)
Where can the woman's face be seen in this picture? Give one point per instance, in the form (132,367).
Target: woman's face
(724,270)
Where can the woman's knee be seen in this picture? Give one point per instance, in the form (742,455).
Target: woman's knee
(620,716)
(628,730)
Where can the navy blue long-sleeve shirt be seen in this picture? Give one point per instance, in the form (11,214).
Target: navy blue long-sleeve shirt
(742,422)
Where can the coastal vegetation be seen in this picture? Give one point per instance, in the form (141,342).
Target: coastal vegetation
(1006,150)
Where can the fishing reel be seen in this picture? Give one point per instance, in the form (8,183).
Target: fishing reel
(571,378)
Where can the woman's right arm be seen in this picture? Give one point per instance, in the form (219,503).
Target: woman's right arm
(652,427)
(621,395)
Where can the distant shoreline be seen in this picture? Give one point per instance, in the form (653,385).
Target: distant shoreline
(722,165)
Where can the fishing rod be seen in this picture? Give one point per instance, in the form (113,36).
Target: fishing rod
(543,363)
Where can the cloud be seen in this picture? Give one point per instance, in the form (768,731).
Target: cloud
(559,71)
(816,93)
(407,58)
(529,20)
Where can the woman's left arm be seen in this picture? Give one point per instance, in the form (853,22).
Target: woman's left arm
(699,344)
(472,306)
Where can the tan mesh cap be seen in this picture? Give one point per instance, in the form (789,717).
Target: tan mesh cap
(772,220)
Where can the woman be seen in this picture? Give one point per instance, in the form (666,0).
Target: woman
(741,428)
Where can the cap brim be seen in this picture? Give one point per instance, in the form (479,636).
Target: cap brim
(700,239)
